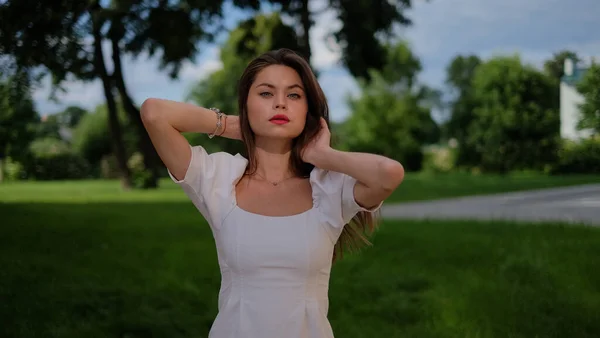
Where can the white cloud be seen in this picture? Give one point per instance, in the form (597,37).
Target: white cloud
(142,77)
(195,71)
(337,83)
(78,93)
(325,51)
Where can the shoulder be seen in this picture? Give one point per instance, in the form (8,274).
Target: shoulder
(219,161)
(199,153)
(334,194)
(206,170)
(327,181)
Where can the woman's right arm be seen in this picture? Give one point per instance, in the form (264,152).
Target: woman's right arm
(165,120)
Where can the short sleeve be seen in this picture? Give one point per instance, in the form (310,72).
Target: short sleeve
(209,182)
(334,195)
(349,205)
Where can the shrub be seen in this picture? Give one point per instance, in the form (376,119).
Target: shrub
(439,160)
(581,157)
(59,166)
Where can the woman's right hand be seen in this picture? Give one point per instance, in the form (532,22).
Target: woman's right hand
(232,128)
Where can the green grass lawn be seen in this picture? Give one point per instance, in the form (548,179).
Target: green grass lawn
(416,186)
(142,264)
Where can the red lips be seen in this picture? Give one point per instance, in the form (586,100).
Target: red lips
(279,119)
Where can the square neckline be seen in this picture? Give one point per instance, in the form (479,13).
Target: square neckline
(303,213)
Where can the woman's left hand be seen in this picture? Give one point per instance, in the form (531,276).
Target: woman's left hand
(318,146)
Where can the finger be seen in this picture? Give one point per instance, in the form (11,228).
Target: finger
(323,123)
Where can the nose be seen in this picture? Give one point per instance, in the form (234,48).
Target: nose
(279,102)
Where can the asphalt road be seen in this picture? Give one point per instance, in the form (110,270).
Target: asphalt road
(578,204)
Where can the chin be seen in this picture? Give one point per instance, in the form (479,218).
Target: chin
(279,132)
(279,135)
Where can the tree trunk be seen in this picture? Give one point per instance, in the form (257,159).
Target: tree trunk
(113,119)
(151,158)
(306,22)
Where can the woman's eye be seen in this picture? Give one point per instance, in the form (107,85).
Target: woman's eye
(294,96)
(265,94)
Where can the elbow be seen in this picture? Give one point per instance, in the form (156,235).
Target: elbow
(392,175)
(149,111)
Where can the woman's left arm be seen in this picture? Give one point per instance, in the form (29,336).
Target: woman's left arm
(377,176)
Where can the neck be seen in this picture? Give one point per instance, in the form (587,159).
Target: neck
(273,158)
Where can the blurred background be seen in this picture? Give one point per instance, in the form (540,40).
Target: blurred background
(493,107)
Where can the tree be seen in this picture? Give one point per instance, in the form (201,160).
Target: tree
(555,67)
(97,23)
(92,139)
(366,25)
(515,124)
(392,115)
(49,127)
(61,124)
(18,117)
(459,78)
(57,38)
(54,38)
(172,27)
(71,116)
(589,87)
(361,44)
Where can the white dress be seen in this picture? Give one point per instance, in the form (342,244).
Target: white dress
(274,270)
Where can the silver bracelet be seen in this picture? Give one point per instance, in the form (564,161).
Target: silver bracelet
(219,123)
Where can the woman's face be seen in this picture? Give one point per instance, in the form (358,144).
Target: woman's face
(277,104)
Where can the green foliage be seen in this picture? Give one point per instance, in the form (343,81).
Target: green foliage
(392,116)
(71,116)
(52,159)
(60,166)
(257,35)
(174,28)
(49,127)
(366,24)
(589,87)
(18,118)
(92,138)
(48,146)
(382,123)
(515,124)
(401,66)
(439,160)
(555,67)
(14,171)
(54,124)
(581,157)
(56,39)
(459,77)
(141,176)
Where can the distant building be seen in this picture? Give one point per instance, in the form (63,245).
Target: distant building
(570,99)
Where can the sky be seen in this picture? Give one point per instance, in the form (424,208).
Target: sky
(441,30)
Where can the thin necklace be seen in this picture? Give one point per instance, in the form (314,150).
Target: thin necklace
(276,182)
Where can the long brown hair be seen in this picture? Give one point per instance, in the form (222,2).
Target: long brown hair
(354,234)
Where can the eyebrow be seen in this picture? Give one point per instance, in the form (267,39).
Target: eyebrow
(272,86)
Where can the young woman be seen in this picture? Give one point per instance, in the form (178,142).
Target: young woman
(278,214)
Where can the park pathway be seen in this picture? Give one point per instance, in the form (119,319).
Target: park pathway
(576,204)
